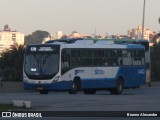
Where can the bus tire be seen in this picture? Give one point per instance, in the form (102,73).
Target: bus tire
(43,91)
(75,87)
(136,87)
(89,91)
(119,89)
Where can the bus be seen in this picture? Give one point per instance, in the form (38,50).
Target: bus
(84,65)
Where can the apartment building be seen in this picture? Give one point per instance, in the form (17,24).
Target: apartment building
(10,38)
(137,33)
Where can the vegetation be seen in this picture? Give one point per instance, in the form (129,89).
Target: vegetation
(11,64)
(6,107)
(155,62)
(36,37)
(10,107)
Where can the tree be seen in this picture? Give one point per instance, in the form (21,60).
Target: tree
(11,64)
(36,37)
(155,62)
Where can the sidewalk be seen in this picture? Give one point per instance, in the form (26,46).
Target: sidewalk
(11,87)
(157,83)
(153,84)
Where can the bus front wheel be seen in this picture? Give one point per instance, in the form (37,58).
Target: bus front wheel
(75,87)
(43,91)
(89,91)
(119,89)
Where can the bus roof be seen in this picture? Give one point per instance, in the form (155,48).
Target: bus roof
(81,44)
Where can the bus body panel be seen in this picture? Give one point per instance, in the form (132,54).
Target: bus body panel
(133,76)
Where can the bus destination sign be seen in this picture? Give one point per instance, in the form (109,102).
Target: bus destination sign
(47,49)
(42,49)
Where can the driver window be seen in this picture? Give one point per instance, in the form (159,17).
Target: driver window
(65,64)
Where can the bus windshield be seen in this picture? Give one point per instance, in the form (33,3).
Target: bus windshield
(41,65)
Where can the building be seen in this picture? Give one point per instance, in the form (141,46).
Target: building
(75,34)
(47,39)
(10,38)
(59,34)
(137,33)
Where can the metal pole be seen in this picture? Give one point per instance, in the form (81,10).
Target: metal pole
(142,37)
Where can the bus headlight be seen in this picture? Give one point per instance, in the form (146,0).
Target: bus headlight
(56,79)
(25,79)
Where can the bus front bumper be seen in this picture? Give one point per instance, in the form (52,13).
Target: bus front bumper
(63,85)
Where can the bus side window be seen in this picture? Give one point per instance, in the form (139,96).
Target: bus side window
(127,59)
(108,58)
(65,62)
(138,57)
(114,58)
(119,55)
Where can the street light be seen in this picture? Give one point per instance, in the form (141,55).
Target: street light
(142,37)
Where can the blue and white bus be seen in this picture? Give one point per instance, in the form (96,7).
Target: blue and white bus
(84,65)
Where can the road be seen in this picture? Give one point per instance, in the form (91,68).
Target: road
(142,99)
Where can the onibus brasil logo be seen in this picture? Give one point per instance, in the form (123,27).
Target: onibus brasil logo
(21,114)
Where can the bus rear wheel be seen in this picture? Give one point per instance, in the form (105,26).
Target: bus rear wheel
(119,89)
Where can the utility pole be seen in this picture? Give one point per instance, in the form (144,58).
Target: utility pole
(142,37)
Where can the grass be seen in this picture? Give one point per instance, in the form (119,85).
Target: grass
(6,107)
(10,107)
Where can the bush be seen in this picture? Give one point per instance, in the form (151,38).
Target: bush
(155,62)
(10,74)
(11,64)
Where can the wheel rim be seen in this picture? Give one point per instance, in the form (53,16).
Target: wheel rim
(74,86)
(120,86)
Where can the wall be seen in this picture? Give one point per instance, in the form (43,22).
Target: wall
(11,87)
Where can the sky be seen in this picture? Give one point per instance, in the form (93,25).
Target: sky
(83,16)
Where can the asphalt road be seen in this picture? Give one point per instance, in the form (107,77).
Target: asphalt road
(141,99)
(145,98)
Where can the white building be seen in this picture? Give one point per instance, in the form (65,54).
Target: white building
(75,34)
(59,34)
(10,38)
